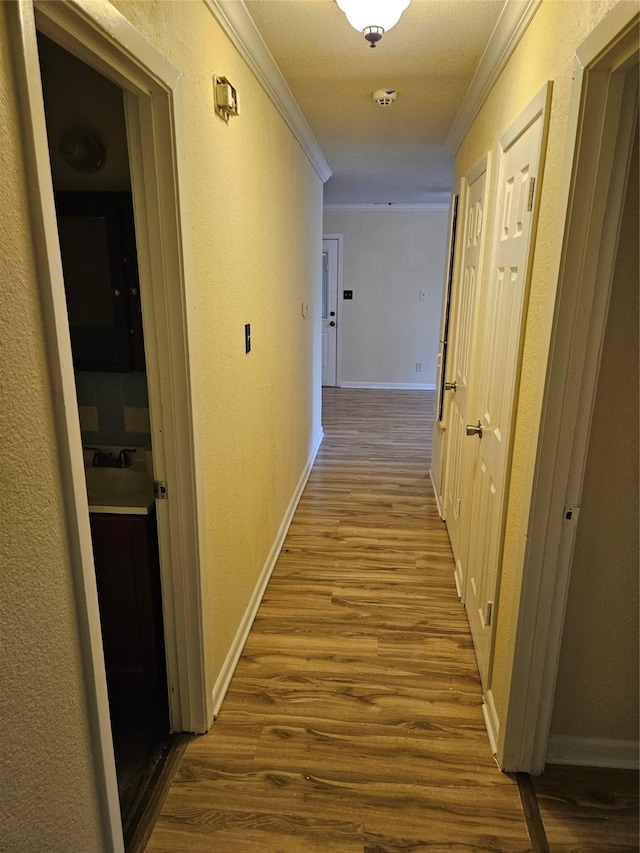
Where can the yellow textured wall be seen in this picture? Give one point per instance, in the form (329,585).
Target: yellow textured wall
(597,687)
(545,53)
(48,800)
(255,235)
(253,228)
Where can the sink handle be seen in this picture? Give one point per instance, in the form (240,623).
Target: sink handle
(100,458)
(123,457)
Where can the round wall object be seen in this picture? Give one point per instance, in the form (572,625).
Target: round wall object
(81,150)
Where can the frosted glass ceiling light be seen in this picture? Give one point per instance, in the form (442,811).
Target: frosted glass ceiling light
(373,17)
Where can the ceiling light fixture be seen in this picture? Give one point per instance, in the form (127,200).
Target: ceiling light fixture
(373,17)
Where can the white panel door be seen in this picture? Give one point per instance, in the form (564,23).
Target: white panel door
(499,352)
(329,311)
(459,367)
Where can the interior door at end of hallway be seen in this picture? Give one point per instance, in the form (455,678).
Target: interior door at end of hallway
(329,311)
(499,347)
(458,374)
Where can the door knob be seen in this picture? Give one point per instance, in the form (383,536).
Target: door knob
(475,430)
(332,323)
(332,313)
(449,386)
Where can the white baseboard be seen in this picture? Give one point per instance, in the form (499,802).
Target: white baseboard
(491,721)
(456,580)
(593,752)
(393,386)
(231,661)
(436,495)
(457,574)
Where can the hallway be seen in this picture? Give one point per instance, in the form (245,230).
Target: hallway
(353,721)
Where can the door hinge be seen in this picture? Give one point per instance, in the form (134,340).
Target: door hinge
(532,190)
(488,613)
(160,490)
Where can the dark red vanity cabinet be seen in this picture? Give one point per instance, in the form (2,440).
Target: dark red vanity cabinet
(128,578)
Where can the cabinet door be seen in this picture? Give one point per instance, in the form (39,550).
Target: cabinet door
(128,595)
(99,261)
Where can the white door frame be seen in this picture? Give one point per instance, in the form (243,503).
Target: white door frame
(105,40)
(340,282)
(603,110)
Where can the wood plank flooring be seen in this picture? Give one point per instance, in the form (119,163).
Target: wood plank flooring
(353,722)
(589,809)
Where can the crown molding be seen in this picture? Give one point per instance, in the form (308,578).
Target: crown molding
(238,25)
(390,207)
(514,19)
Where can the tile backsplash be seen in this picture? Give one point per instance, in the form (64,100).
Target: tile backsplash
(114,409)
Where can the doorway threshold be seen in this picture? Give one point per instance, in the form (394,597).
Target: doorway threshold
(163,758)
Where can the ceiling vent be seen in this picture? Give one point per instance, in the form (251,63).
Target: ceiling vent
(385,96)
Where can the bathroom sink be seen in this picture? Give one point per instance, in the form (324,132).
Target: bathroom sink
(119,489)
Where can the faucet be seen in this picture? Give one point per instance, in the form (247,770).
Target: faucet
(124,460)
(107,460)
(100,458)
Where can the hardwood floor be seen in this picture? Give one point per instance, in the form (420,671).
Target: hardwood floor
(589,809)
(353,722)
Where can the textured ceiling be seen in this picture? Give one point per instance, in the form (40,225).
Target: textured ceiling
(393,154)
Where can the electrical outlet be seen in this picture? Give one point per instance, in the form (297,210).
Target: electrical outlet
(418,367)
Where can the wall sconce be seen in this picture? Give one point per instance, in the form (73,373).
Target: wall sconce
(225,98)
(373,17)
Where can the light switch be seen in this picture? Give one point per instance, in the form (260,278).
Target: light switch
(423,295)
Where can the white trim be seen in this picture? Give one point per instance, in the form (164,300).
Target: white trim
(442,203)
(397,386)
(172,380)
(435,494)
(239,27)
(483,165)
(458,576)
(135,66)
(233,656)
(529,114)
(593,752)
(557,468)
(456,580)
(514,19)
(491,721)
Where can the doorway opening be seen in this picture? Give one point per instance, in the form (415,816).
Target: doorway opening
(603,110)
(94,206)
(153,98)
(331,317)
